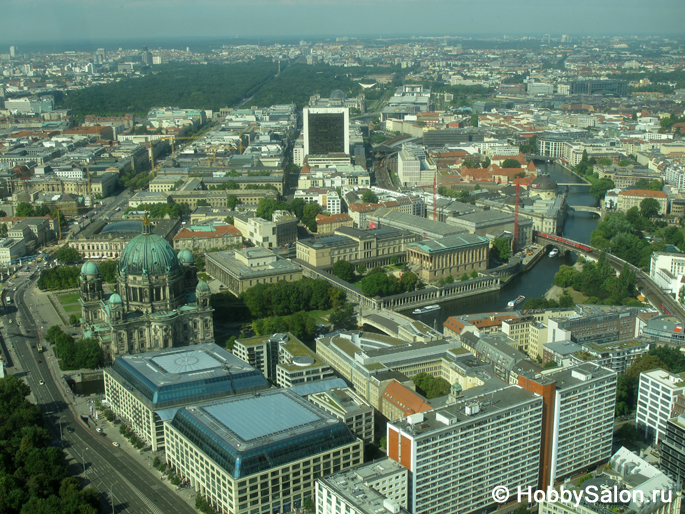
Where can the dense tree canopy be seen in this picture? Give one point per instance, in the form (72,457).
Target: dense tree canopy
(33,474)
(300,324)
(160,210)
(61,277)
(600,283)
(649,207)
(621,235)
(600,187)
(284,298)
(211,86)
(511,163)
(344,270)
(654,185)
(369,197)
(430,386)
(108,270)
(84,353)
(67,255)
(378,283)
(501,249)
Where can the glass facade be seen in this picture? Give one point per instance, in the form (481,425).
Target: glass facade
(326,133)
(261,457)
(163,396)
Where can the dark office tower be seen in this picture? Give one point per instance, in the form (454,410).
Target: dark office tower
(600,87)
(147,56)
(326,130)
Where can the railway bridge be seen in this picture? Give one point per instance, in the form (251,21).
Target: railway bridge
(660,299)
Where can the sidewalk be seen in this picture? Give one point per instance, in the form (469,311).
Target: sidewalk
(145,456)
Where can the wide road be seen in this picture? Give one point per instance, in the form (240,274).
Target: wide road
(133,487)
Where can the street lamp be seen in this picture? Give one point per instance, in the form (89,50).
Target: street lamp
(83,461)
(111,494)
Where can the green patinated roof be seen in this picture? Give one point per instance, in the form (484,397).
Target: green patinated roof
(148,253)
(89,268)
(186,255)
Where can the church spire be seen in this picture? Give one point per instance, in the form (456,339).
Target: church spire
(146,224)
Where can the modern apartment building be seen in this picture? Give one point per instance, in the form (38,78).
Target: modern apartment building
(673,448)
(359,356)
(283,359)
(259,452)
(458,454)
(141,388)
(667,269)
(640,487)
(347,406)
(578,419)
(594,324)
(656,399)
(374,488)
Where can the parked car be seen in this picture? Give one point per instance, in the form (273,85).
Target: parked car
(115,444)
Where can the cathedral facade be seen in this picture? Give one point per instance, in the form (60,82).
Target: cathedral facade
(159,302)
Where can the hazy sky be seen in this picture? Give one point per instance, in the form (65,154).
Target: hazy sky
(96,20)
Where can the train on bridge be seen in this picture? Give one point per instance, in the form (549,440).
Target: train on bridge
(566,242)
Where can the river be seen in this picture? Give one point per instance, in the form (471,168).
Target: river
(536,282)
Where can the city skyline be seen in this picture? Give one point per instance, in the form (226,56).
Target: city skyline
(154,19)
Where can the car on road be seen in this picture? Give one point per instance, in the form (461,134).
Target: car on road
(39,362)
(70,430)
(98,430)
(115,444)
(42,382)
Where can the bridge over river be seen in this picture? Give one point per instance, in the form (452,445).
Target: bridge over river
(661,300)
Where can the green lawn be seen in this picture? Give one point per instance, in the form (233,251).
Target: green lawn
(69,309)
(320,316)
(66,299)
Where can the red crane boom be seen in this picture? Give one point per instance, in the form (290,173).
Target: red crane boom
(516,217)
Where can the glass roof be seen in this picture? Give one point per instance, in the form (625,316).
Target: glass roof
(258,416)
(133,227)
(186,362)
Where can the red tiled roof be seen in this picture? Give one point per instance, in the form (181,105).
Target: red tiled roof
(644,192)
(333,218)
(363,207)
(217,232)
(405,399)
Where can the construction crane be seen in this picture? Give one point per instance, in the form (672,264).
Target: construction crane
(435,196)
(90,191)
(516,216)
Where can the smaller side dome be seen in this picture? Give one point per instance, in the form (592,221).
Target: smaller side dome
(202,287)
(89,268)
(185,256)
(115,298)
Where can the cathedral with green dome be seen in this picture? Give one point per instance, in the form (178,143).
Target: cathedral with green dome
(158,302)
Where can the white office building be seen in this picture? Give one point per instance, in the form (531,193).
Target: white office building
(379,487)
(258,453)
(655,400)
(414,167)
(459,453)
(145,389)
(675,176)
(667,270)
